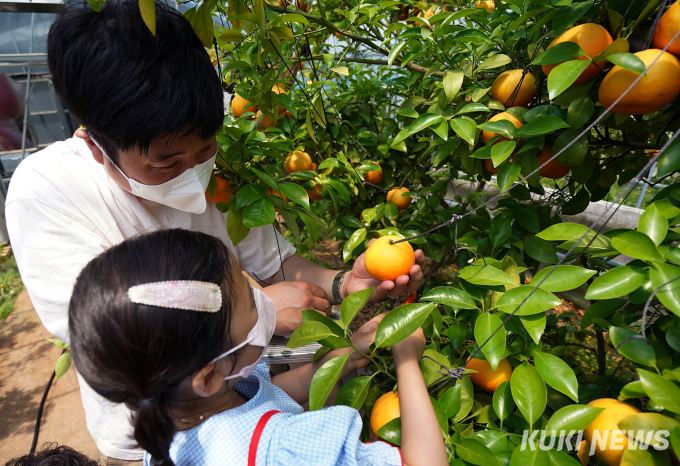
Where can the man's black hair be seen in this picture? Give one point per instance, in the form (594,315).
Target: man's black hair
(128,87)
(53,455)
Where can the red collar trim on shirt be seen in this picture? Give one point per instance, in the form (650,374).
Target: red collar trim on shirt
(255,440)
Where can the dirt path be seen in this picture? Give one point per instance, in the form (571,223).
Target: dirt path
(26,363)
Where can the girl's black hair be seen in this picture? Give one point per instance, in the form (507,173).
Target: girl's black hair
(127,86)
(53,455)
(139,354)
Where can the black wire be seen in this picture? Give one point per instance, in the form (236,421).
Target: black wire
(283,273)
(36,431)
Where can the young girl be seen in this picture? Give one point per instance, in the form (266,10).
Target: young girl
(167,323)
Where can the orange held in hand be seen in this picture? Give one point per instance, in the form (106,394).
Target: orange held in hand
(385,261)
(396,195)
(385,410)
(653,92)
(238,106)
(593,39)
(375,176)
(667,28)
(298,161)
(224,189)
(486,378)
(488,135)
(503,89)
(605,430)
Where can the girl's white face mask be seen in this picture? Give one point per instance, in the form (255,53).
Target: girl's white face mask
(185,192)
(259,335)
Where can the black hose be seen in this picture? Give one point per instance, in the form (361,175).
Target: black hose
(40,411)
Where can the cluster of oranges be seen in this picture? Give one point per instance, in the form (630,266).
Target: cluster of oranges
(301,161)
(239,106)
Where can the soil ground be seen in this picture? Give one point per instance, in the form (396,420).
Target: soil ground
(26,363)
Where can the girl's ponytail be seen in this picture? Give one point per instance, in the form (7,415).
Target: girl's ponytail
(154,430)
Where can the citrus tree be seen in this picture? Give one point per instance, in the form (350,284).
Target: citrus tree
(352,119)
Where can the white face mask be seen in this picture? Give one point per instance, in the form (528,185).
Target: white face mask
(185,192)
(259,335)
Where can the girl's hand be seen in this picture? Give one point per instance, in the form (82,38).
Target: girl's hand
(362,339)
(412,347)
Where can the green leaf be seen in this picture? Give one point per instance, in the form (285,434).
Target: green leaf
(352,243)
(295,193)
(501,151)
(485,276)
(563,232)
(290,18)
(308,332)
(391,432)
(472,108)
(58,343)
(601,310)
(203,25)
(325,380)
(580,110)
(557,374)
(573,155)
(449,296)
(669,295)
(401,323)
(540,301)
(545,125)
(419,124)
(467,397)
(637,245)
(334,342)
(566,16)
(450,402)
(453,80)
(265,178)
(645,425)
(486,325)
(635,349)
(559,53)
(529,457)
(650,457)
(507,175)
(147,8)
(502,127)
(259,213)
(232,35)
(353,393)
(430,369)
(653,224)
(63,364)
(573,417)
(475,452)
(465,128)
(496,61)
(354,303)
(661,391)
(535,326)
(457,333)
(562,277)
(249,194)
(563,76)
(236,229)
(343,70)
(669,160)
(500,231)
(540,249)
(628,61)
(503,404)
(617,282)
(394,53)
(529,391)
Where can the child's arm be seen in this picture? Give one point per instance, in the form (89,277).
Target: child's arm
(296,382)
(421,438)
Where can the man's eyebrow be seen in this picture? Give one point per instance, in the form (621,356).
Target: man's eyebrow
(162,157)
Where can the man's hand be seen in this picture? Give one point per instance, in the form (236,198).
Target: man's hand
(290,299)
(358,279)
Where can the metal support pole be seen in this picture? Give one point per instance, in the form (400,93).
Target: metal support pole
(644,187)
(28,91)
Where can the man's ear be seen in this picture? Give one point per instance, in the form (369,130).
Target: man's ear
(96,153)
(207,381)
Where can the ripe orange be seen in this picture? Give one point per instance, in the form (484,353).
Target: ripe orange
(395,195)
(606,425)
(583,453)
(263,122)
(385,261)
(238,106)
(487,378)
(374,177)
(592,38)
(314,167)
(224,189)
(553,170)
(277,194)
(385,410)
(505,84)
(297,161)
(315,194)
(488,164)
(486,4)
(650,94)
(667,28)
(488,135)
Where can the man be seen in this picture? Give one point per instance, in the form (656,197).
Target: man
(152,106)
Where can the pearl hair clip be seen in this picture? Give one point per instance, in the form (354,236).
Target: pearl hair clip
(190,295)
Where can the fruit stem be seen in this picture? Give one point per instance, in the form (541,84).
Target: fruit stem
(373,361)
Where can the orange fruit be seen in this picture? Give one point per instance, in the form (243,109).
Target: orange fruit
(385,410)
(667,28)
(279,89)
(374,177)
(606,424)
(583,453)
(238,106)
(488,164)
(314,167)
(651,153)
(486,378)
(553,170)
(650,94)
(385,261)
(406,12)
(592,38)
(395,195)
(487,5)
(224,189)
(263,121)
(297,161)
(506,83)
(315,194)
(488,135)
